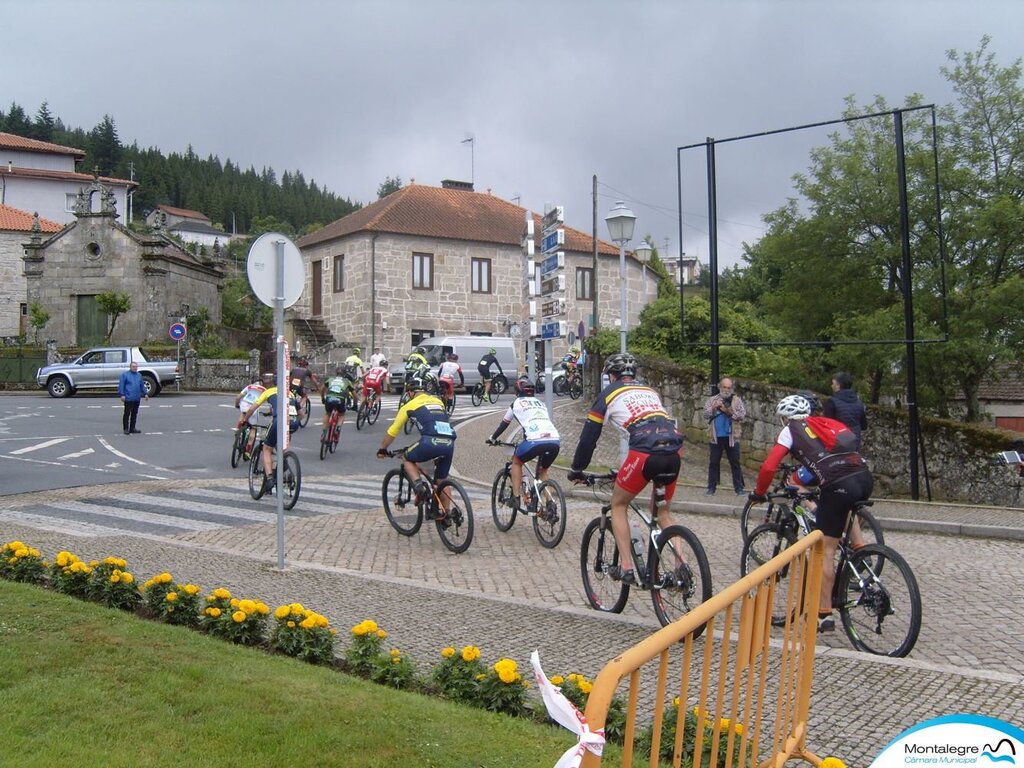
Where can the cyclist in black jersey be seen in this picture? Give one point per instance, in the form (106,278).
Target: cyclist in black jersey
(484,368)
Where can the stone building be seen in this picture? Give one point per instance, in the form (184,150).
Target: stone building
(428,261)
(66,271)
(16,226)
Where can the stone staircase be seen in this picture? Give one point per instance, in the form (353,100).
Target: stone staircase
(313,333)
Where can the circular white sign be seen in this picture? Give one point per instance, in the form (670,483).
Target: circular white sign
(261,267)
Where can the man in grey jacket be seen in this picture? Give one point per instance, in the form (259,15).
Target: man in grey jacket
(724,413)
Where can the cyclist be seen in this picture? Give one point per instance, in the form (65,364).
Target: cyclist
(570,361)
(655,449)
(334,393)
(416,361)
(360,368)
(540,438)
(436,441)
(376,378)
(446,375)
(249,394)
(484,367)
(301,377)
(269,396)
(825,447)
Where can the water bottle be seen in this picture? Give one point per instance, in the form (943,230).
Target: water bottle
(636,540)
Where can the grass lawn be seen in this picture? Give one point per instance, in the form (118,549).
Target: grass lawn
(83,685)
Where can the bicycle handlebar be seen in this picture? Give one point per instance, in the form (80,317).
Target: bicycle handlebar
(393,454)
(591,479)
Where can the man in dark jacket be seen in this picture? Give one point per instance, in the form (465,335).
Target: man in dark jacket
(845,406)
(131,390)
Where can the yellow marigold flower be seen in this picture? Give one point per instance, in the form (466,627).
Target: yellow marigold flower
(171,597)
(738,728)
(675,702)
(127,578)
(234,602)
(213,612)
(396,659)
(110,561)
(508,676)
(724,724)
(395,652)
(291,625)
(557,679)
(381,634)
(586,686)
(481,676)
(832,762)
(62,559)
(221,593)
(190,589)
(115,577)
(308,623)
(297,608)
(262,609)
(448,652)
(14,545)
(334,631)
(282,612)
(322,622)
(249,606)
(22,552)
(93,563)
(575,677)
(165,578)
(238,617)
(505,664)
(470,653)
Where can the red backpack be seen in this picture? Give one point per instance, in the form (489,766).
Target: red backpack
(836,436)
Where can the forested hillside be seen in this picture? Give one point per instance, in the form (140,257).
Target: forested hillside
(237,200)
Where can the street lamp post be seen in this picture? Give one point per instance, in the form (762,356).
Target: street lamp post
(643,252)
(620,227)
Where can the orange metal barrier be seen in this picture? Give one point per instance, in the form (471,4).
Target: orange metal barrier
(754,712)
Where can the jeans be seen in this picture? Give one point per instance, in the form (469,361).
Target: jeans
(716,450)
(131,413)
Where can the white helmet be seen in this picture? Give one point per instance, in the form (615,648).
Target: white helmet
(793,407)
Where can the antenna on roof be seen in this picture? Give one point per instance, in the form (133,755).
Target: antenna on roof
(471,140)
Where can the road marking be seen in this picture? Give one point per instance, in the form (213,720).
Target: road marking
(77,454)
(117,453)
(39,446)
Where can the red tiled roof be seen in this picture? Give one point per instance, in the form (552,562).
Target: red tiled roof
(184,213)
(40,173)
(17,220)
(10,141)
(447,213)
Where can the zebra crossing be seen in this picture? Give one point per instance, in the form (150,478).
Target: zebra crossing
(196,508)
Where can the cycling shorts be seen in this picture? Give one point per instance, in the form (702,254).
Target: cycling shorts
(448,383)
(640,468)
(331,404)
(374,385)
(485,373)
(271,436)
(837,499)
(545,451)
(437,449)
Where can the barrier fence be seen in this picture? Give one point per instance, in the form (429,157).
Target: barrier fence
(742,699)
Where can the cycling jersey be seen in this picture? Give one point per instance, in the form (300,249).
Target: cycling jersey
(299,379)
(374,379)
(269,396)
(247,397)
(337,387)
(415,361)
(808,447)
(356,362)
(427,413)
(484,366)
(532,416)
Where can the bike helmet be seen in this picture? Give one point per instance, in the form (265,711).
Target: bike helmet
(383,363)
(524,387)
(453,357)
(620,364)
(356,351)
(492,351)
(421,350)
(574,348)
(811,398)
(793,407)
(417,382)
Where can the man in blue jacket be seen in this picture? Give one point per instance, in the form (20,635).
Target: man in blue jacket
(131,389)
(845,406)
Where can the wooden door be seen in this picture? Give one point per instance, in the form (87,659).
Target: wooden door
(91,322)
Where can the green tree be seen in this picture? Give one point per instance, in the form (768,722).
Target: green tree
(104,146)
(114,304)
(38,317)
(44,124)
(388,186)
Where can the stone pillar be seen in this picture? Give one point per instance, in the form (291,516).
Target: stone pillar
(191,370)
(254,365)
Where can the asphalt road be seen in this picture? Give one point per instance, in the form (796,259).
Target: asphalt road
(47,443)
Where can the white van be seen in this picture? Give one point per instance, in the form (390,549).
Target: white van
(470,350)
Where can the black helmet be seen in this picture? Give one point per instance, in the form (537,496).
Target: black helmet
(811,398)
(620,364)
(417,382)
(524,387)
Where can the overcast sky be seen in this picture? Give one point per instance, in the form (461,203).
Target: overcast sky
(551,92)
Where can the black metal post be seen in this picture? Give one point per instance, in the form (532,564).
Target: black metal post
(713,256)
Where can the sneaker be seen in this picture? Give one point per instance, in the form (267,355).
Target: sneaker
(626,577)
(421,491)
(741,492)
(709,492)
(826,624)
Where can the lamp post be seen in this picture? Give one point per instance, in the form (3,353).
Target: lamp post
(620,227)
(643,252)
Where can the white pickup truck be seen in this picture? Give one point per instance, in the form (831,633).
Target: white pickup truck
(100,368)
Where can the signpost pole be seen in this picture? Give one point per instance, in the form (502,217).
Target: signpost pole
(282,396)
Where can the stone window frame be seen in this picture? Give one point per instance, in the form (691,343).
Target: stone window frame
(480,280)
(417,335)
(338,274)
(584,283)
(422,271)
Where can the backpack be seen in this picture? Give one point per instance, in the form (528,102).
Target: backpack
(834,435)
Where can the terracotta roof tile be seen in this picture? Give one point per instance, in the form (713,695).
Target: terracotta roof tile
(11,141)
(184,212)
(450,214)
(17,220)
(41,173)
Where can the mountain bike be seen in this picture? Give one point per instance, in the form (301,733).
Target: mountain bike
(498,385)
(784,499)
(448,398)
(292,475)
(544,501)
(677,572)
(571,384)
(329,439)
(880,615)
(406,511)
(242,445)
(369,409)
(304,409)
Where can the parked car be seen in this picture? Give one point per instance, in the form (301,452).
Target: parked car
(100,368)
(470,350)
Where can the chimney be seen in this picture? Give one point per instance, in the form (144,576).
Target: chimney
(465,186)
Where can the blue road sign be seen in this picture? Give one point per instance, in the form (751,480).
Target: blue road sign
(177,331)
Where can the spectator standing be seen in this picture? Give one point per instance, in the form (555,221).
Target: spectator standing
(724,412)
(131,390)
(846,406)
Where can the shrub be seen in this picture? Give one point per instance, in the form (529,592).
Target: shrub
(303,634)
(173,603)
(393,669)
(70,575)
(242,622)
(693,719)
(503,689)
(576,688)
(361,656)
(19,562)
(112,584)
(457,676)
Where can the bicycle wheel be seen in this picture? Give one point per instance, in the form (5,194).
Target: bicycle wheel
(400,507)
(304,411)
(757,513)
(576,388)
(449,405)
(501,497)
(335,437)
(362,414)
(880,616)
(765,542)
(325,444)
(291,483)
(549,522)
(456,527)
(478,395)
(500,384)
(256,472)
(681,575)
(559,387)
(597,554)
(371,417)
(238,446)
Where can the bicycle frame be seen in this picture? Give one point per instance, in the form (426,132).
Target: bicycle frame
(644,568)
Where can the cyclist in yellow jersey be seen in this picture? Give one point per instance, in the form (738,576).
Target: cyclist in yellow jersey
(269,395)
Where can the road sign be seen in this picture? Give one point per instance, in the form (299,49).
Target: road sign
(262,269)
(551,263)
(553,308)
(552,283)
(555,240)
(177,331)
(553,330)
(553,217)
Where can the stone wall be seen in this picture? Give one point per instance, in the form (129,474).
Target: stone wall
(12,282)
(220,375)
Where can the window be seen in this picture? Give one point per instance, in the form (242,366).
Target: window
(481,275)
(70,198)
(584,283)
(423,271)
(339,273)
(419,334)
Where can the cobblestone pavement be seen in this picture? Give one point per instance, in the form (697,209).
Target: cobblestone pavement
(510,596)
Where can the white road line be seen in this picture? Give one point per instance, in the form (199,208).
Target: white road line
(137,515)
(116,452)
(39,446)
(77,454)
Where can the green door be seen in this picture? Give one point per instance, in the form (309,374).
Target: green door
(92,322)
